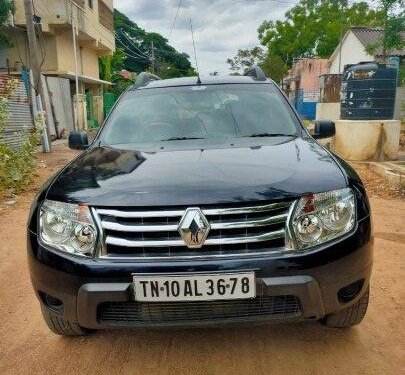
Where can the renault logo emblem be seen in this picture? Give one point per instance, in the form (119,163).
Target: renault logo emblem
(194,228)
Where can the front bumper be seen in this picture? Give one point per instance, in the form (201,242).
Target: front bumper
(314,278)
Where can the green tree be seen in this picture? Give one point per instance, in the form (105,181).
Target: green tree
(6,7)
(272,65)
(393,24)
(111,64)
(313,27)
(136,43)
(246,58)
(110,67)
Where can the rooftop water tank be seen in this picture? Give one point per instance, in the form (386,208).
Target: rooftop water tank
(368,91)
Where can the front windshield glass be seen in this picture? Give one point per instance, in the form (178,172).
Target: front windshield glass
(200,112)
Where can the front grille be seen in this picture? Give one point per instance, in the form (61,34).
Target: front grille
(235,230)
(132,312)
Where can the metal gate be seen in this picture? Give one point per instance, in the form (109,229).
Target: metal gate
(59,92)
(109,101)
(92,122)
(20,120)
(305,103)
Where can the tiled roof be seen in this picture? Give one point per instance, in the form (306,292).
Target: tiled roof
(372,35)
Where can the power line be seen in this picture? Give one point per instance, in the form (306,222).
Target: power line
(123,45)
(132,43)
(175,18)
(134,56)
(132,53)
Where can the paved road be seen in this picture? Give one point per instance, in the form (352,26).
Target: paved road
(375,347)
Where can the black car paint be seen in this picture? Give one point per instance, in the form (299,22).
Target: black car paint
(271,170)
(194,173)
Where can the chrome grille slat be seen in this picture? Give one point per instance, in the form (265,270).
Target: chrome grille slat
(138,228)
(217,225)
(154,234)
(207,212)
(139,214)
(209,241)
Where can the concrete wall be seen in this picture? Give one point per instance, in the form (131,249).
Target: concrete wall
(51,58)
(109,3)
(353,52)
(13,54)
(93,39)
(399,113)
(88,62)
(80,110)
(59,55)
(64,46)
(56,17)
(87,58)
(367,140)
(308,72)
(93,28)
(328,111)
(18,53)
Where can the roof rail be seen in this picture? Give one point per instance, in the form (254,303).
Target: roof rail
(144,78)
(256,73)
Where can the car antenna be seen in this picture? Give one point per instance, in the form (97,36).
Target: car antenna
(195,54)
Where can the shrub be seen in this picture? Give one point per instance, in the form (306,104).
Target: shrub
(17,166)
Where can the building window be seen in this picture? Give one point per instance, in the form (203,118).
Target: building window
(90,3)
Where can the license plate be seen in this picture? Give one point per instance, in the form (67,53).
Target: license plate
(194,287)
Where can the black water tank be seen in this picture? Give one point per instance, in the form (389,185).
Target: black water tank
(368,91)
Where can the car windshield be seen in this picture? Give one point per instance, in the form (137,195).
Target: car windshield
(200,112)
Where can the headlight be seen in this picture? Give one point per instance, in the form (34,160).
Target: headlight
(68,227)
(318,218)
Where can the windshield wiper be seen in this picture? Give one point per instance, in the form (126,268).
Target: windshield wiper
(262,135)
(179,139)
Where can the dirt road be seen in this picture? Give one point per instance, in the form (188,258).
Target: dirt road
(377,346)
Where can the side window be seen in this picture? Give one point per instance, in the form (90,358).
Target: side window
(90,3)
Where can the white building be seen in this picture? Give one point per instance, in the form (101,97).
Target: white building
(354,45)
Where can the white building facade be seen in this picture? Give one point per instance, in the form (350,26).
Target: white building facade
(353,52)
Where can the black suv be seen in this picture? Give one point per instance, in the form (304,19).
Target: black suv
(201,201)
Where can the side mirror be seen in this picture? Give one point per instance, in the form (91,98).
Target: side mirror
(78,140)
(324,129)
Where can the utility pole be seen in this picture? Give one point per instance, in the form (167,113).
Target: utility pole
(76,99)
(341,36)
(35,67)
(152,59)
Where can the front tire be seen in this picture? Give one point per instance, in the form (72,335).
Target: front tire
(351,315)
(61,326)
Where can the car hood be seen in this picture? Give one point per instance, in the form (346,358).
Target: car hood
(104,176)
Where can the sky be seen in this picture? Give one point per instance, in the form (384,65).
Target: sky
(221,27)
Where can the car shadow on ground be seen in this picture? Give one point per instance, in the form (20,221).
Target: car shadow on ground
(280,334)
(282,348)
